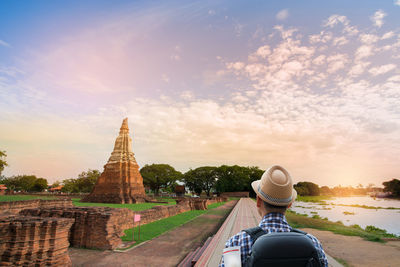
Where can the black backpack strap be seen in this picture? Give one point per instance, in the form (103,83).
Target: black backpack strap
(255,232)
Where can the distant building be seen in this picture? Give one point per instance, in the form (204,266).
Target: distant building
(180,190)
(56,189)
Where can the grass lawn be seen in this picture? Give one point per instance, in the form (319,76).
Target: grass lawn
(154,229)
(370,233)
(22,197)
(136,207)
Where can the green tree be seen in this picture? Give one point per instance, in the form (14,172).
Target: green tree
(70,186)
(3,162)
(83,184)
(39,185)
(56,183)
(307,189)
(199,179)
(87,180)
(392,186)
(236,178)
(26,182)
(158,176)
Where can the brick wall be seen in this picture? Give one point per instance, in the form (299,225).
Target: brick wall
(14,207)
(32,241)
(93,227)
(235,194)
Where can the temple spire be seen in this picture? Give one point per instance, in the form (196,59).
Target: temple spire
(120,181)
(124,127)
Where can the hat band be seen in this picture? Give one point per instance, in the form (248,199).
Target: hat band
(275,200)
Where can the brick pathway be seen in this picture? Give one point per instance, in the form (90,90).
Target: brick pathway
(243,216)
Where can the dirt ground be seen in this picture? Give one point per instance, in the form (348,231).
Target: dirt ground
(357,251)
(168,249)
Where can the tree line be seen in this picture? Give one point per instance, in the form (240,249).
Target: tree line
(207,179)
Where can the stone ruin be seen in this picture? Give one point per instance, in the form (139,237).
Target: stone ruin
(93,227)
(14,207)
(121,181)
(33,241)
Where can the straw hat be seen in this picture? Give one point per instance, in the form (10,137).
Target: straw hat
(275,187)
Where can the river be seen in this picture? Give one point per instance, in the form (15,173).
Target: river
(387,219)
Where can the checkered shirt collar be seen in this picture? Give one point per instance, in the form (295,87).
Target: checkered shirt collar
(274,219)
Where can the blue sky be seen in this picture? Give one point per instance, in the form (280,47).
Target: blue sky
(311,85)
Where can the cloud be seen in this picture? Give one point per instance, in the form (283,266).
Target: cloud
(297,99)
(3,43)
(377,18)
(334,20)
(363,52)
(382,69)
(396,2)
(387,35)
(282,15)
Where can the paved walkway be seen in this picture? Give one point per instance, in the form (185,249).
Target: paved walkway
(243,216)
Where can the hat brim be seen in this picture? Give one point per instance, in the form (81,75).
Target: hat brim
(255,186)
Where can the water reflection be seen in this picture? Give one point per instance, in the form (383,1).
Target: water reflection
(382,218)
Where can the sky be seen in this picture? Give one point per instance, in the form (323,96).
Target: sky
(311,85)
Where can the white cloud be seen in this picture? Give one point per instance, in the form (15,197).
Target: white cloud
(334,20)
(322,37)
(282,15)
(363,52)
(3,43)
(368,38)
(336,62)
(319,60)
(387,35)
(340,41)
(382,69)
(377,18)
(396,2)
(358,68)
(263,51)
(236,65)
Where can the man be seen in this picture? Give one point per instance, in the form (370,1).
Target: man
(275,194)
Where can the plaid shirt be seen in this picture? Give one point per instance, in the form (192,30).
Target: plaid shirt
(272,222)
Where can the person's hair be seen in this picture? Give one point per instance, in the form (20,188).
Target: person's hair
(270,207)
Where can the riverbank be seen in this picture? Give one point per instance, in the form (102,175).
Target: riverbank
(354,251)
(370,233)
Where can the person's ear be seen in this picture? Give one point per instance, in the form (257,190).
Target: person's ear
(259,201)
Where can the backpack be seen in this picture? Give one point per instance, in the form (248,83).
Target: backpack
(286,249)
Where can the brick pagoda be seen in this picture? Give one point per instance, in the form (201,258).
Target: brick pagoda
(120,181)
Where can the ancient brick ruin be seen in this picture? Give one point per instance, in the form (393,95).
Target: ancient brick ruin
(33,241)
(120,181)
(42,231)
(14,207)
(93,227)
